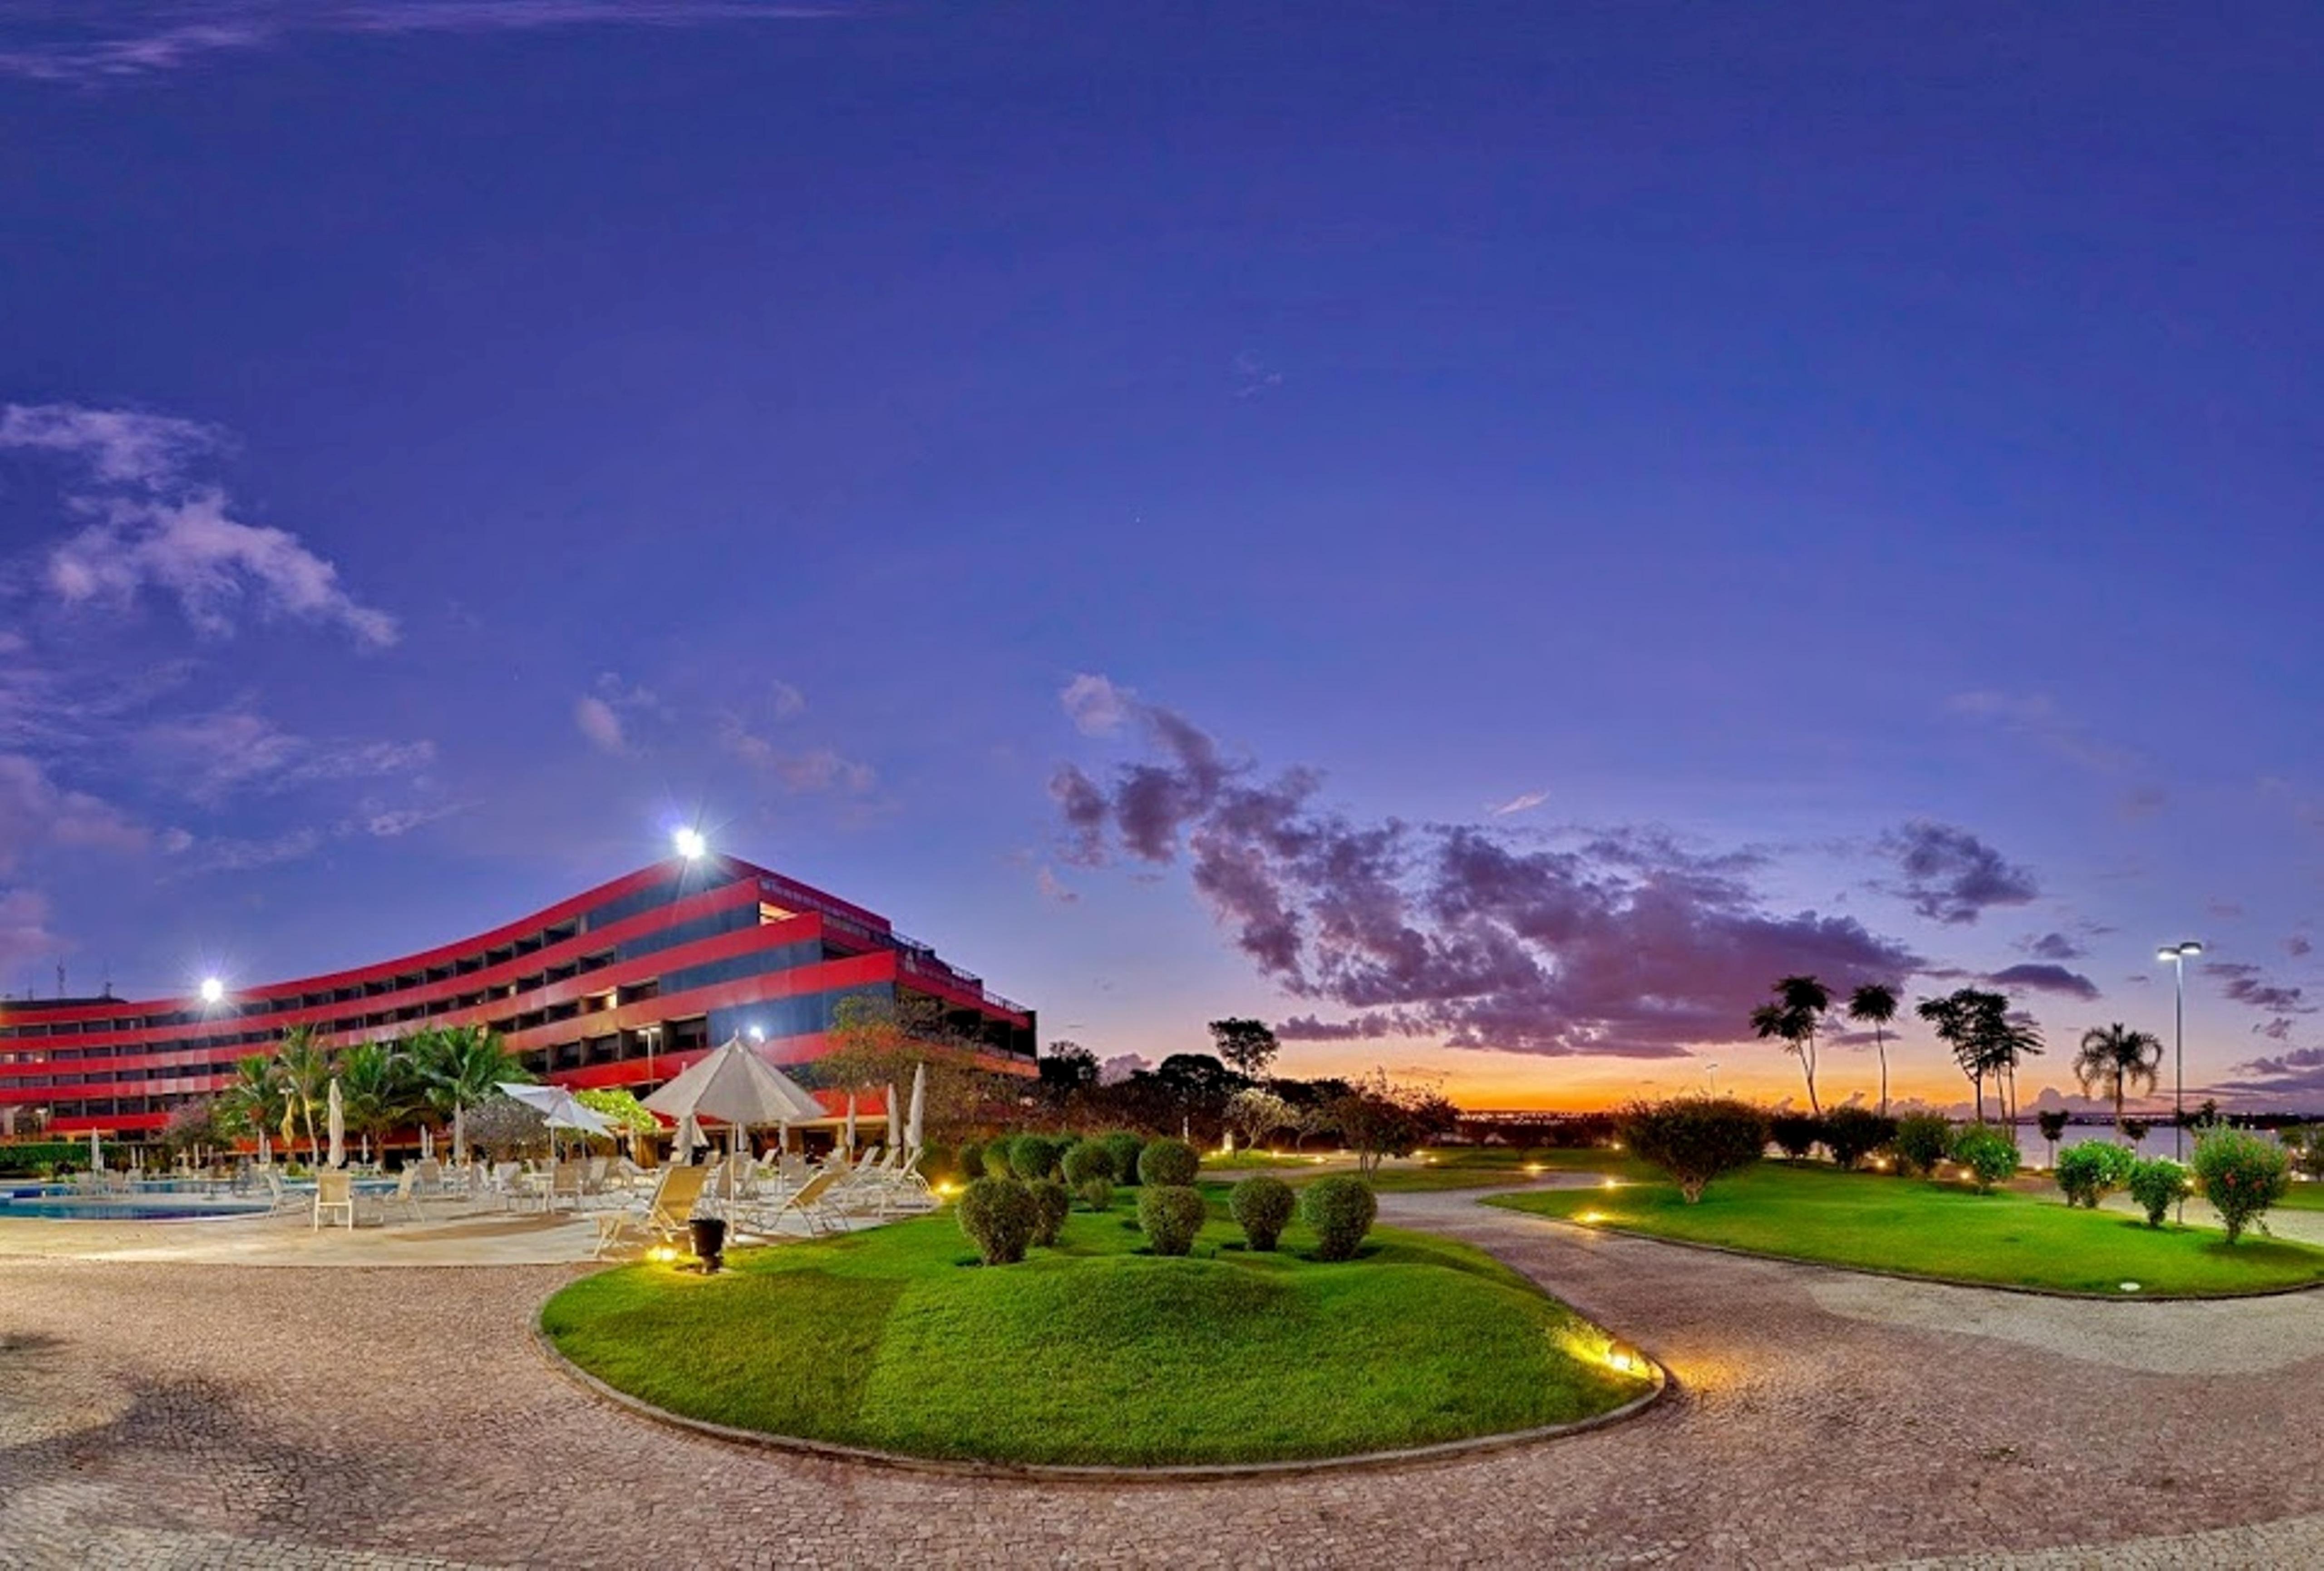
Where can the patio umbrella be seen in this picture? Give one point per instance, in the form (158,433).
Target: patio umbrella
(561,1108)
(733,1085)
(96,1154)
(851,1126)
(913,1134)
(334,1115)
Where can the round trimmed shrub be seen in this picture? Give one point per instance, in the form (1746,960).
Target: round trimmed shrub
(1097,1194)
(1124,1147)
(1795,1133)
(1261,1205)
(2242,1176)
(998,1217)
(1170,1215)
(968,1162)
(1339,1211)
(1853,1133)
(2090,1170)
(1089,1160)
(1695,1139)
(1168,1161)
(1051,1202)
(1989,1155)
(2156,1186)
(1033,1156)
(1921,1142)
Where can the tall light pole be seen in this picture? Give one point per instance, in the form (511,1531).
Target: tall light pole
(2177,954)
(1713,1070)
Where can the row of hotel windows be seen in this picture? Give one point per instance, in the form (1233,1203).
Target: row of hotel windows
(753,963)
(605,915)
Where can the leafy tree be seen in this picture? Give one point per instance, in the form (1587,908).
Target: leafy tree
(460,1068)
(1922,1140)
(2242,1173)
(1067,1068)
(1380,1117)
(1798,1012)
(1795,1133)
(379,1088)
(1987,1042)
(1254,1114)
(1246,1046)
(1875,1004)
(195,1125)
(2052,1122)
(876,1043)
(303,1070)
(1853,1133)
(1694,1138)
(2116,1059)
(253,1102)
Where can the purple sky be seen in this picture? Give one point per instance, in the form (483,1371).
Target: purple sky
(1482,535)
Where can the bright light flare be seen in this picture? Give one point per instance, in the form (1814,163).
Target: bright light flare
(690,842)
(213,991)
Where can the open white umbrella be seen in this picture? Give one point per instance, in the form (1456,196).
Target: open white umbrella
(561,1108)
(914,1134)
(733,1085)
(334,1115)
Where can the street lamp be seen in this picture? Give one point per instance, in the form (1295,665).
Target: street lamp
(690,842)
(2177,954)
(213,991)
(1713,1070)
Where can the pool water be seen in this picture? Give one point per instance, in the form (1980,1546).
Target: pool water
(53,1204)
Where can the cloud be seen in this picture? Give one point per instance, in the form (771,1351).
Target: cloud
(35,811)
(230,752)
(788,700)
(25,931)
(1524,802)
(1053,888)
(2038,718)
(1253,376)
(2297,946)
(1122,1067)
(146,38)
(2246,984)
(152,532)
(599,724)
(2053,946)
(1626,945)
(807,771)
(245,856)
(2046,978)
(1095,705)
(1951,875)
(2281,1079)
(2225,909)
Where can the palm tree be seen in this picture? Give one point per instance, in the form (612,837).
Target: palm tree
(376,1083)
(303,1070)
(2002,1042)
(1974,1024)
(1875,1004)
(1799,1008)
(252,1103)
(2117,1058)
(461,1067)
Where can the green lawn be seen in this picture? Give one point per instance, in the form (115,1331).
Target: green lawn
(1438,1168)
(1095,1352)
(2304,1196)
(1940,1230)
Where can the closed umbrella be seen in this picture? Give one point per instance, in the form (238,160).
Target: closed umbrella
(914,1135)
(336,1119)
(265,1151)
(895,1119)
(96,1154)
(851,1126)
(459,1135)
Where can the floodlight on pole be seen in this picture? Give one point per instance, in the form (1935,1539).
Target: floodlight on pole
(212,989)
(2177,954)
(690,842)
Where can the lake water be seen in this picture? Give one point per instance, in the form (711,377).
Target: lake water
(2156,1143)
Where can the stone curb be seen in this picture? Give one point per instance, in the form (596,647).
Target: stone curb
(2068,1294)
(1048,1473)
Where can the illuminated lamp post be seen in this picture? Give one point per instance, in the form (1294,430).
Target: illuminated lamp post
(2177,954)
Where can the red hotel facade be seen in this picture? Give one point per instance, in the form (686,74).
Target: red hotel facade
(624,985)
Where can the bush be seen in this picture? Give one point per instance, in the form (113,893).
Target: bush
(2242,1175)
(1124,1147)
(1854,1134)
(1051,1202)
(1989,1155)
(2091,1170)
(1167,1161)
(1695,1139)
(1089,1160)
(1795,1133)
(2306,1144)
(1339,1211)
(968,1162)
(1921,1142)
(1097,1194)
(1261,1205)
(1033,1156)
(1170,1215)
(2157,1185)
(999,1216)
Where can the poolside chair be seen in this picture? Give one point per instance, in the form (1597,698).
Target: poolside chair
(812,1203)
(565,1182)
(334,1191)
(282,1198)
(405,1199)
(663,1217)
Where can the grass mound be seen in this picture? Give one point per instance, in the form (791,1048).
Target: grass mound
(2008,1238)
(1094,1351)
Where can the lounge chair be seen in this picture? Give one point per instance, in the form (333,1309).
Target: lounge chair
(406,1198)
(664,1216)
(813,1203)
(334,1191)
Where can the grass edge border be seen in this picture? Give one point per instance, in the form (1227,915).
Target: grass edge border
(2070,1294)
(1082,1472)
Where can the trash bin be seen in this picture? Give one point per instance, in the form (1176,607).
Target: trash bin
(709,1240)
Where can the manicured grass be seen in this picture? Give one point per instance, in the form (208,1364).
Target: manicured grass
(1940,1229)
(1439,1168)
(2307,1197)
(1094,1351)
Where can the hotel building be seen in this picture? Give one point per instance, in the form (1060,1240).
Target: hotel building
(624,984)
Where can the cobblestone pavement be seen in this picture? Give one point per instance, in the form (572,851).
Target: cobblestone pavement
(178,1415)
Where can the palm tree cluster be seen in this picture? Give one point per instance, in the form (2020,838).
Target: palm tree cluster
(2116,1060)
(1988,1039)
(433,1076)
(1798,1013)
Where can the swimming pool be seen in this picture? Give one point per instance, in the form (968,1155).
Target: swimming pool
(54,1203)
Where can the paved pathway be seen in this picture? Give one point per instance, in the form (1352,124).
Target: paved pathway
(169,1414)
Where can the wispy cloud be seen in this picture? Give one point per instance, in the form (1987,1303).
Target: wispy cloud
(234,752)
(24,932)
(1951,875)
(111,41)
(1095,704)
(152,529)
(35,812)
(1523,802)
